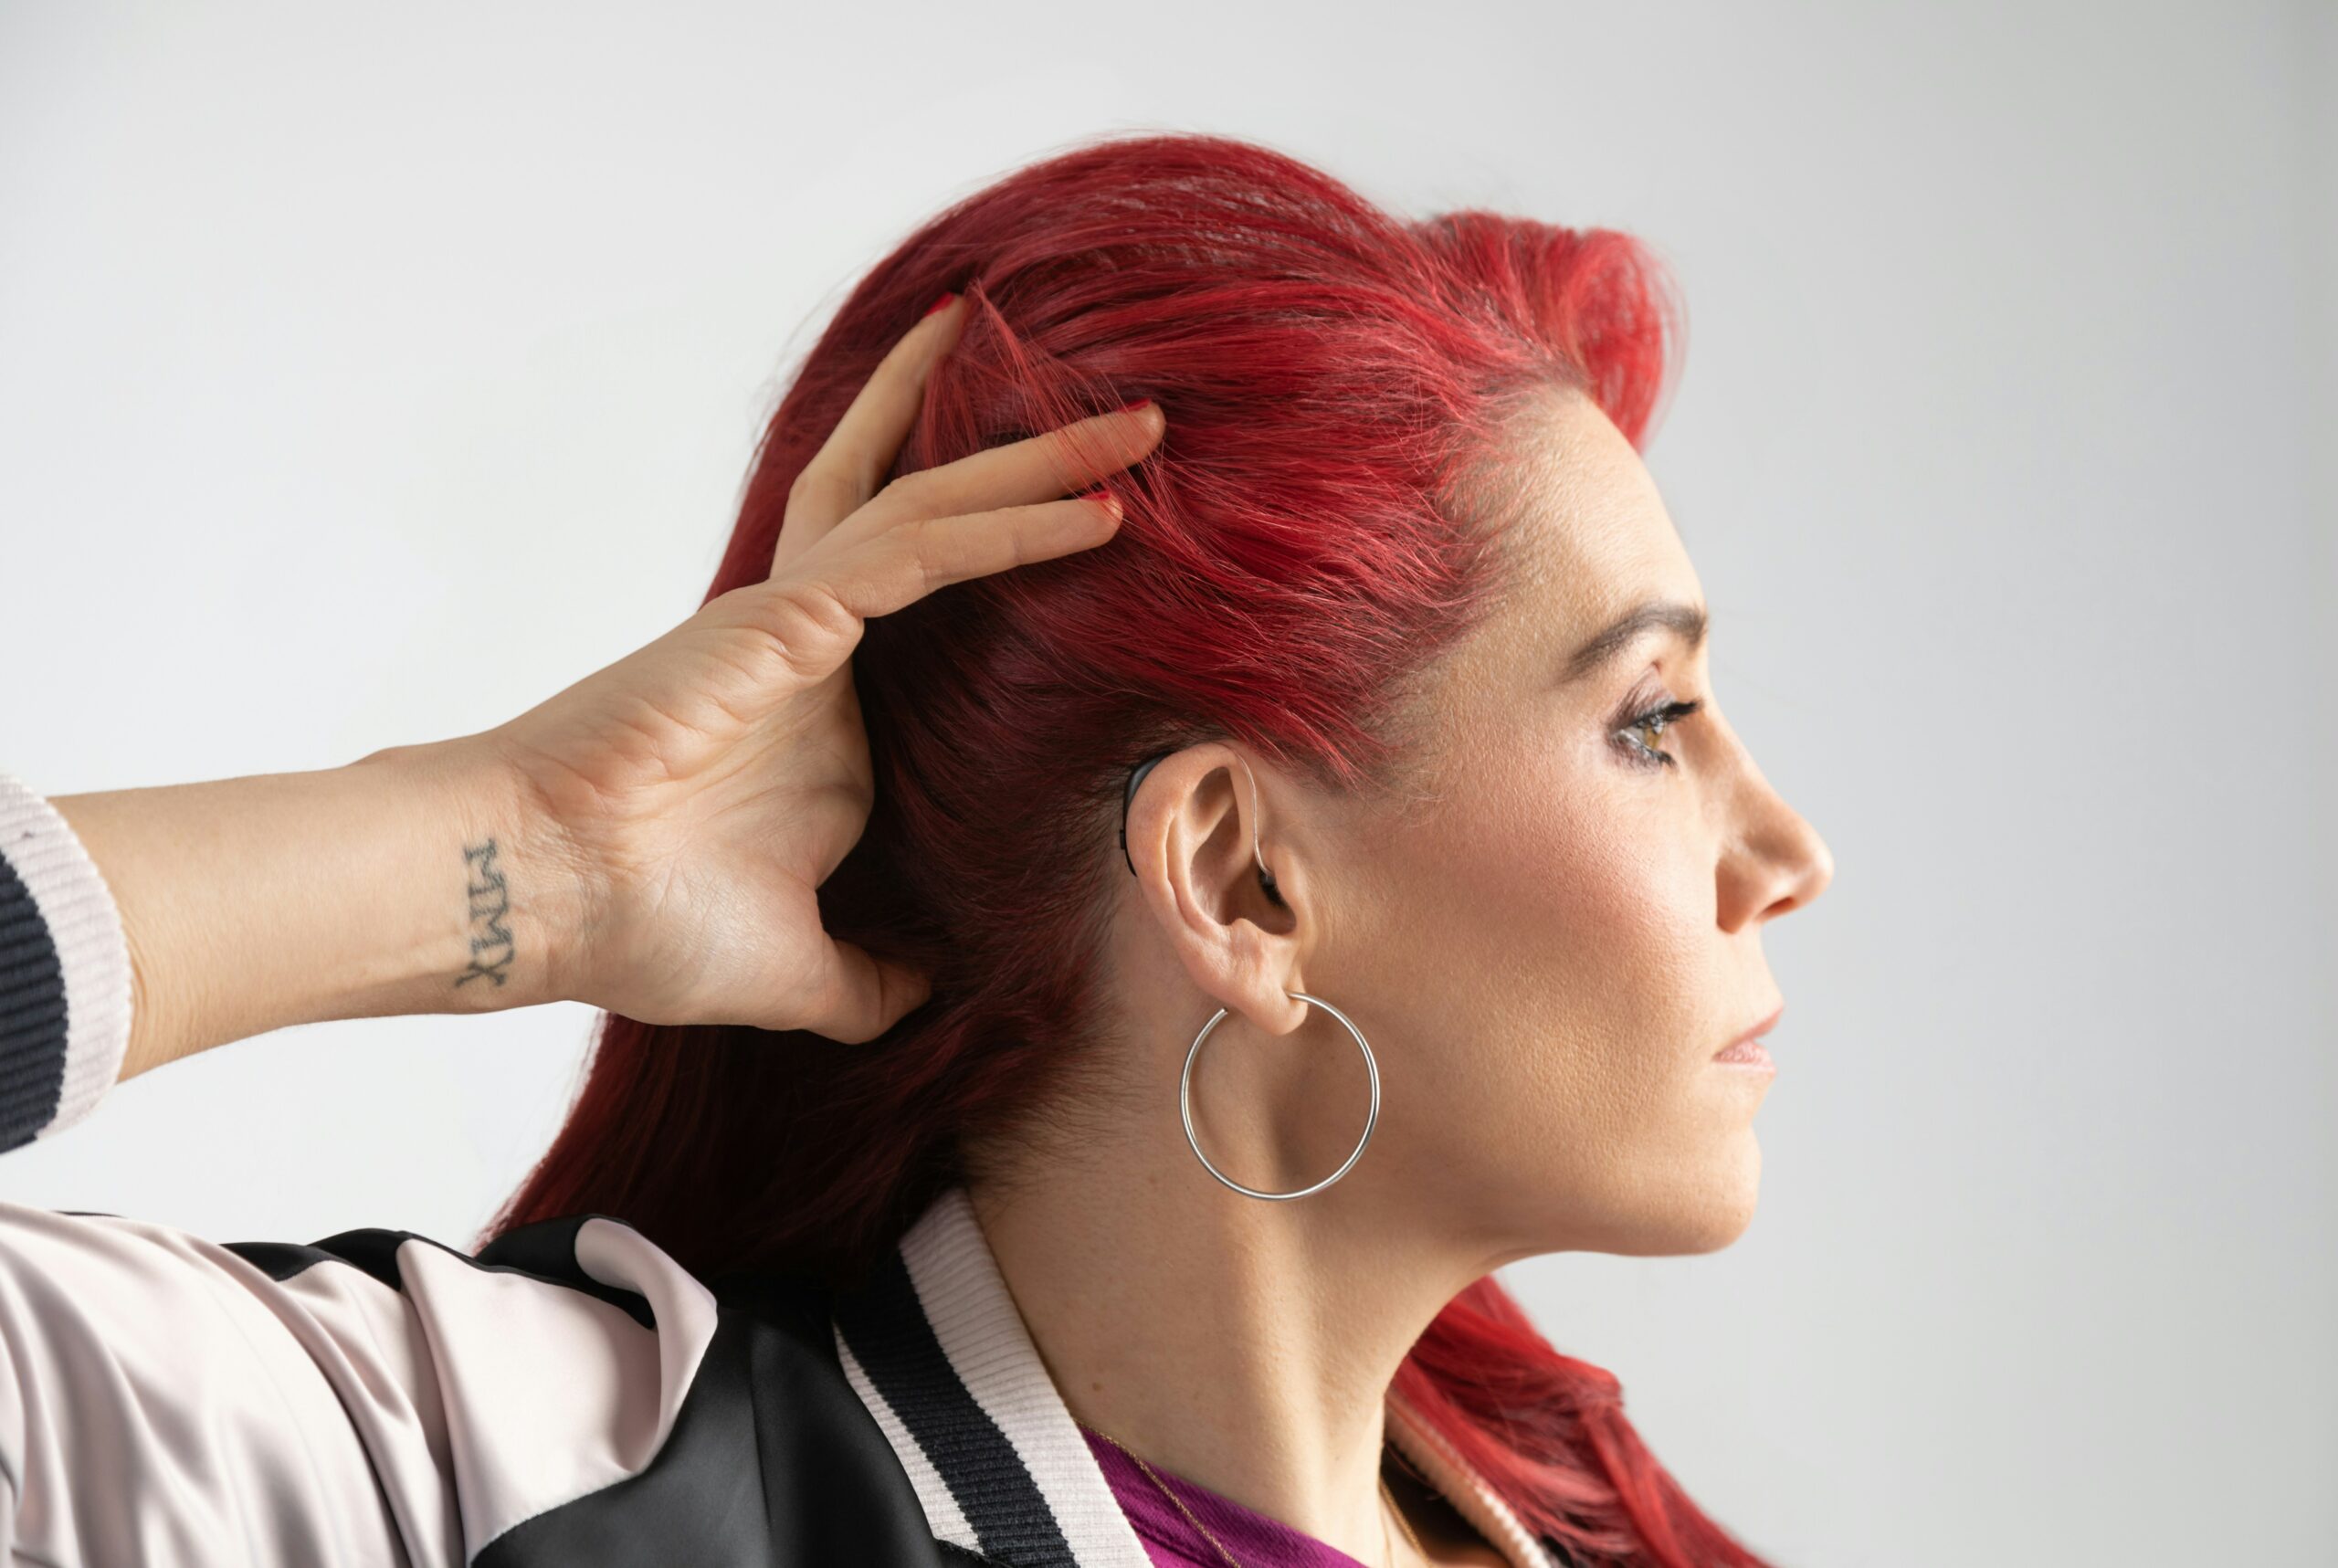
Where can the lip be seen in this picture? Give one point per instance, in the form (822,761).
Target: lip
(1756,1032)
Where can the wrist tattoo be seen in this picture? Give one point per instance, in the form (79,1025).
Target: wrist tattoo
(490,901)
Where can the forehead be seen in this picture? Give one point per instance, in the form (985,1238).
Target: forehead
(1590,535)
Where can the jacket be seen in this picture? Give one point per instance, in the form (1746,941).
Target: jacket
(569,1395)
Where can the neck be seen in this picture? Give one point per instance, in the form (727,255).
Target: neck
(1245,1345)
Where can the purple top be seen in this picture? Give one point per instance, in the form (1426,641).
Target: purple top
(1255,1539)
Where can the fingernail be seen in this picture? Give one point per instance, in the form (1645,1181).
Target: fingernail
(1103,496)
(1133,407)
(940,303)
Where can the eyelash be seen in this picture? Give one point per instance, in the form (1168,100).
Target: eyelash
(1657,717)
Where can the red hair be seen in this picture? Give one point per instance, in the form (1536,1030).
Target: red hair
(1305,540)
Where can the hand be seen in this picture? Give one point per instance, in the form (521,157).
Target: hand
(701,788)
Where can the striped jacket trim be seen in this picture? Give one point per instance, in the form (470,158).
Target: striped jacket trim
(64,973)
(938,1352)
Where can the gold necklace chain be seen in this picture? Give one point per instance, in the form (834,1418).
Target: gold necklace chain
(1220,1545)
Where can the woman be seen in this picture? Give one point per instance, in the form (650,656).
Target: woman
(954,1180)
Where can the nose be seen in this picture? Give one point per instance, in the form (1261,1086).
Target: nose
(1813,863)
(1779,862)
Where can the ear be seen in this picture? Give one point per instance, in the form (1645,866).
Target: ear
(1204,820)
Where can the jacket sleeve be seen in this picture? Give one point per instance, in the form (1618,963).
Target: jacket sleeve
(374,1397)
(64,973)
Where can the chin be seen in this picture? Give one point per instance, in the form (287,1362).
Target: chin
(1722,1230)
(1724,1212)
(1680,1235)
(1710,1213)
(1674,1210)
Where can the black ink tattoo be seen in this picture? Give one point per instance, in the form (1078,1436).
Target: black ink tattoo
(491,901)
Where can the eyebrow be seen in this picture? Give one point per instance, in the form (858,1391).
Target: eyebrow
(1688,620)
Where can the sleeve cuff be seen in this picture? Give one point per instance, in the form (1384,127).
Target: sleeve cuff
(65,997)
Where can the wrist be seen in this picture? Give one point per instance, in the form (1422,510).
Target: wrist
(513,900)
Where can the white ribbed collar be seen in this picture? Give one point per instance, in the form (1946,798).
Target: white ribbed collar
(999,1464)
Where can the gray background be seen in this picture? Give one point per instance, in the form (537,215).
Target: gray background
(368,378)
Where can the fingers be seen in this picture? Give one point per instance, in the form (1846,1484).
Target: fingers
(813,613)
(1053,463)
(852,462)
(859,997)
(906,562)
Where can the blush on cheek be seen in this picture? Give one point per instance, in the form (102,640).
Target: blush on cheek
(1577,869)
(1577,942)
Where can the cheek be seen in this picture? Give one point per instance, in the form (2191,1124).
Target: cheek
(1557,936)
(1628,907)
(1574,881)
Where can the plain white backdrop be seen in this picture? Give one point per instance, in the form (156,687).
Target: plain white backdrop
(367,375)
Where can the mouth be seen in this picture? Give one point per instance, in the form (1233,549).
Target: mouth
(1747,1048)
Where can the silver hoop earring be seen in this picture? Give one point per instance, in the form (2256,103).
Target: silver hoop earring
(1185,1102)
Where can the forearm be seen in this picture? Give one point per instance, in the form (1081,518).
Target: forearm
(414,880)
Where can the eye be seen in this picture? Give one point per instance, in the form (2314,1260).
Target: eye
(1651,722)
